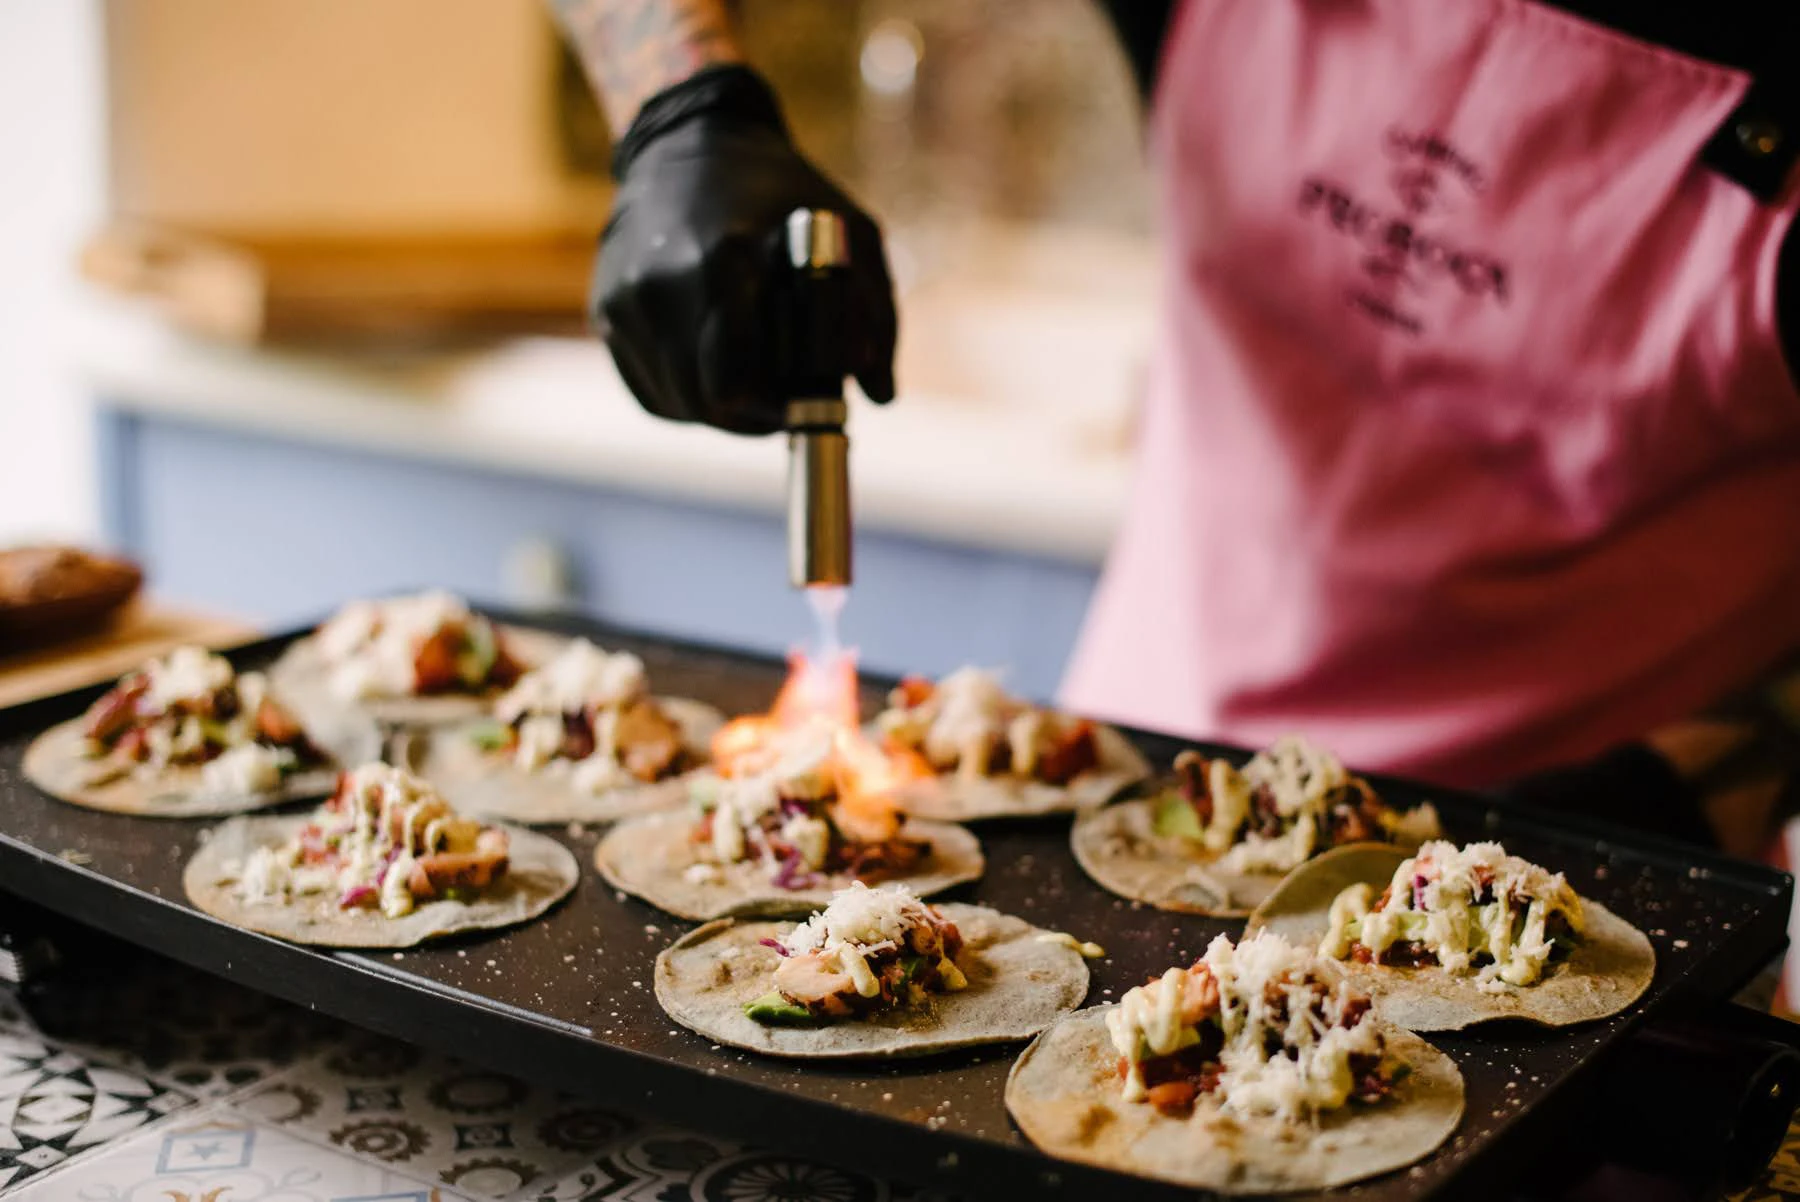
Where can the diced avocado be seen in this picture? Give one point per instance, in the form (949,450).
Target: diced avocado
(1411,925)
(491,736)
(1185,1037)
(1481,929)
(776,1011)
(478,654)
(1175,818)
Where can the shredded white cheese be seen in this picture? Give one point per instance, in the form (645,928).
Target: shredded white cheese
(1432,900)
(599,773)
(859,922)
(540,737)
(372,646)
(1299,777)
(965,719)
(581,678)
(800,764)
(182,679)
(1266,987)
(186,674)
(738,808)
(810,836)
(971,712)
(388,813)
(862,916)
(247,769)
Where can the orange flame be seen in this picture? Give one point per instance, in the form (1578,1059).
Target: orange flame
(822,693)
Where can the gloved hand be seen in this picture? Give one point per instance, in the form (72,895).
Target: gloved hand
(687,284)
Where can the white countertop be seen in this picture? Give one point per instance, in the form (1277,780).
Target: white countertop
(1016,437)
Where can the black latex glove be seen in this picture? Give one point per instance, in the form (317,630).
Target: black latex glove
(692,261)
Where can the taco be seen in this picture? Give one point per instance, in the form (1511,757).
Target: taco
(777,834)
(579,739)
(1450,936)
(185,736)
(876,973)
(414,660)
(1219,840)
(1203,1078)
(986,754)
(384,863)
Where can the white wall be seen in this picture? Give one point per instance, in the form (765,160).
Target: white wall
(52,194)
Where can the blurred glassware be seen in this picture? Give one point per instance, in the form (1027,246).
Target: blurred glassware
(968,118)
(890,58)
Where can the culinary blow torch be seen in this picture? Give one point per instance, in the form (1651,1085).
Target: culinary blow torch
(814,350)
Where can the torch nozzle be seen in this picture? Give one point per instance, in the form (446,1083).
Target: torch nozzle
(814,338)
(818,496)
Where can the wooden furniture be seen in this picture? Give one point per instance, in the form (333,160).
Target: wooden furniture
(141,631)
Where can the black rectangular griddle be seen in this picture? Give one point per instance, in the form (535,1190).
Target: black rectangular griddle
(566,1000)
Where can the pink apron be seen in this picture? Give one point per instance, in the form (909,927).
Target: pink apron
(1470,448)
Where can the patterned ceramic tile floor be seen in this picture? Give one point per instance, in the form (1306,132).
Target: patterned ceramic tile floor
(55,1104)
(176,1086)
(1781,1182)
(170,1086)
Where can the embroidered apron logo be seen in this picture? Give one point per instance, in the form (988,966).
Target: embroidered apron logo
(1398,253)
(1422,161)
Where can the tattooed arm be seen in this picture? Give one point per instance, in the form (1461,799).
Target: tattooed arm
(689,272)
(633,49)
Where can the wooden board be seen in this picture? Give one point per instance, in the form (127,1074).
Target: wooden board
(347,291)
(140,632)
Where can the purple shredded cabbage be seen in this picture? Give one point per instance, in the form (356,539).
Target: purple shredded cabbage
(356,895)
(1418,891)
(792,874)
(780,948)
(791,808)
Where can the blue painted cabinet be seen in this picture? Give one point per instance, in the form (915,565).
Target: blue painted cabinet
(281,531)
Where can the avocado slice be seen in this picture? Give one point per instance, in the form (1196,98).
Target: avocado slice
(491,736)
(1409,925)
(1174,817)
(776,1011)
(480,650)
